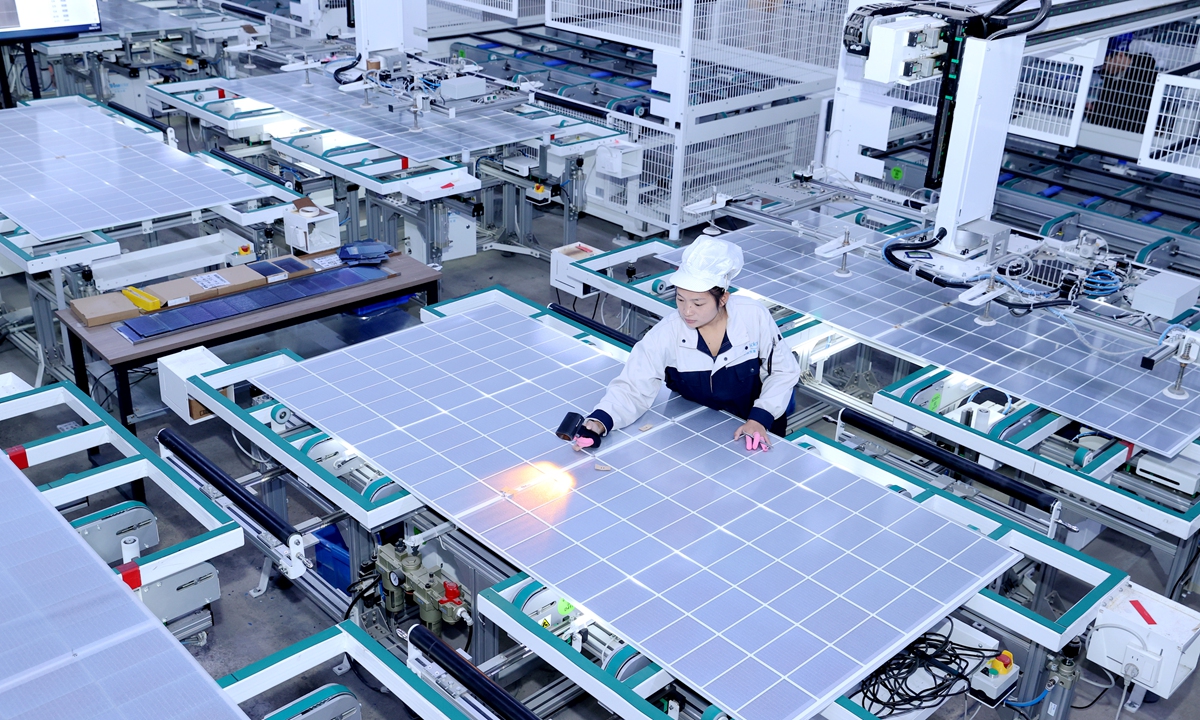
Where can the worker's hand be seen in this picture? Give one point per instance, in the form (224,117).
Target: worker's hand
(590,436)
(755,434)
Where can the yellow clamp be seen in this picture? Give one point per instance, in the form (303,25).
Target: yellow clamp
(144,300)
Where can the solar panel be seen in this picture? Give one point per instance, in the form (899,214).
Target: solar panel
(123,17)
(772,582)
(69,170)
(1036,357)
(437,137)
(74,642)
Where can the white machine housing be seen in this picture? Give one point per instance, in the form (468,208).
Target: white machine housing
(1146,638)
(903,51)
(311,228)
(1181,472)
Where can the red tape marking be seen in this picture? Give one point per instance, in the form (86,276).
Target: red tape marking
(18,456)
(1137,605)
(131,574)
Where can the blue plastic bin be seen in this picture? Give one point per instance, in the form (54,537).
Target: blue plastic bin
(333,558)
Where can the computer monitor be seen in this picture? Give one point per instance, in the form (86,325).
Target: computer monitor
(45,19)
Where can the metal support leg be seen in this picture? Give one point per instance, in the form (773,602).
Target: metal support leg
(274,495)
(264,578)
(78,363)
(359,547)
(1184,551)
(137,488)
(525,215)
(508,211)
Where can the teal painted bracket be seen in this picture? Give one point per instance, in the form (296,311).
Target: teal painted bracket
(299,707)
(857,710)
(592,669)
(1034,427)
(1189,516)
(1011,419)
(227,523)
(274,658)
(915,388)
(284,445)
(1144,253)
(910,378)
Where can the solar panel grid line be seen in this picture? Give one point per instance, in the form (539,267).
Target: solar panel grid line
(665,545)
(435,136)
(95,650)
(75,170)
(1038,358)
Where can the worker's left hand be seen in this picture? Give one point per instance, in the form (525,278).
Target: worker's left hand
(753,429)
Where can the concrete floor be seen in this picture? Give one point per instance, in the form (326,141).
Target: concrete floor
(248,629)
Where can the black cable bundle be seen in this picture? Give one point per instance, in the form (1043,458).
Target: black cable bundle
(887,691)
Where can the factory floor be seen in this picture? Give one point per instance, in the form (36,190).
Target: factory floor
(248,629)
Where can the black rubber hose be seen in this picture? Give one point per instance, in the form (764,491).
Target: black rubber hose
(491,694)
(591,324)
(230,488)
(337,74)
(247,166)
(945,458)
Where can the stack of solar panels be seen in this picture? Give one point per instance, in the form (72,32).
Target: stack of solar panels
(142,328)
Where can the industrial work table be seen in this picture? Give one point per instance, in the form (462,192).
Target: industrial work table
(411,276)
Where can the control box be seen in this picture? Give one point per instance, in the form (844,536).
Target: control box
(1166,295)
(560,262)
(1181,472)
(1146,638)
(463,87)
(994,684)
(904,50)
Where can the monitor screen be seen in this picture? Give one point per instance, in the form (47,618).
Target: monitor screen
(34,19)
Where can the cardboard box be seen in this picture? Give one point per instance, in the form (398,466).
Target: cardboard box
(174,293)
(293,266)
(104,309)
(239,278)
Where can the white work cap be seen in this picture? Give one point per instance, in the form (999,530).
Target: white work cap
(707,263)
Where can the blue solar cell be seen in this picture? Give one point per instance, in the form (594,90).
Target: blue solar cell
(173,320)
(263,297)
(264,268)
(290,265)
(197,314)
(307,286)
(219,308)
(146,325)
(242,303)
(328,281)
(287,291)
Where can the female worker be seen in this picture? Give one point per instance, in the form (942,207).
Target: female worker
(719,350)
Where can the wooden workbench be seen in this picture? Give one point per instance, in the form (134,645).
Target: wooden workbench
(410,277)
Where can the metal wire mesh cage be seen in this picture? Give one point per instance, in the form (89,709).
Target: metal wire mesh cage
(1172,140)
